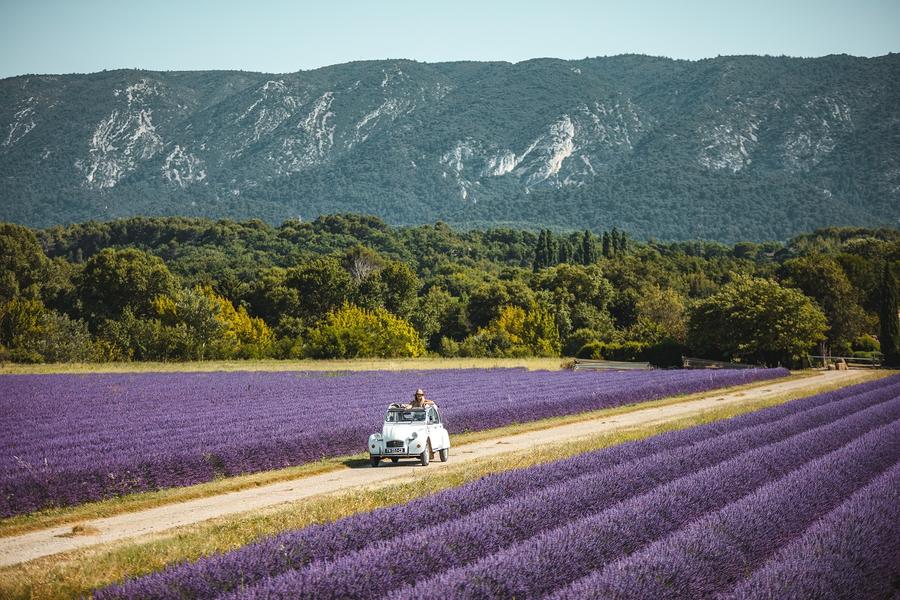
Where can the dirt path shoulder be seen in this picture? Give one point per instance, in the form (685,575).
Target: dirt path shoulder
(54,540)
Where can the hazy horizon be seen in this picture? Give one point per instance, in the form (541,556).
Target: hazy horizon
(279,36)
(437,62)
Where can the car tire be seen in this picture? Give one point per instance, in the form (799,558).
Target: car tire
(444,454)
(395,460)
(374,460)
(425,457)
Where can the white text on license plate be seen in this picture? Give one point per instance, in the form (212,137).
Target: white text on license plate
(393,450)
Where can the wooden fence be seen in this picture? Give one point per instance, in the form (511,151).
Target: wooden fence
(853,362)
(703,363)
(584,364)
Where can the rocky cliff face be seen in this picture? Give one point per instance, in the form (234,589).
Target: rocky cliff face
(725,148)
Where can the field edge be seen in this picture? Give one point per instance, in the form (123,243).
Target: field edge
(272,364)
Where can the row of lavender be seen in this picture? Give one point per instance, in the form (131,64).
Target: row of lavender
(799,499)
(68,439)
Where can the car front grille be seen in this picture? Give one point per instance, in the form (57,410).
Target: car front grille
(395,444)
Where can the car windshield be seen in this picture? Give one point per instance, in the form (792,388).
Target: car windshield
(404,416)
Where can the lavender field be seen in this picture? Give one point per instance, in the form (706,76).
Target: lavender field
(797,501)
(67,439)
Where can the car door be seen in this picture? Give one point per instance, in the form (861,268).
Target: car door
(435,429)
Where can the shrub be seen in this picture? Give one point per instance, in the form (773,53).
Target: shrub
(866,343)
(29,332)
(578,339)
(624,351)
(515,332)
(667,353)
(353,332)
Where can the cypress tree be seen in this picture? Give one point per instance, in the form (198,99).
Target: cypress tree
(540,257)
(614,239)
(588,249)
(565,252)
(890,324)
(607,245)
(552,250)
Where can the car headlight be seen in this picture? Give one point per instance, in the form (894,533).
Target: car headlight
(414,435)
(377,436)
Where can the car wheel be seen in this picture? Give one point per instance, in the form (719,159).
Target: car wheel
(444,454)
(395,459)
(425,457)
(374,460)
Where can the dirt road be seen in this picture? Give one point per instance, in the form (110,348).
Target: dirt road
(25,547)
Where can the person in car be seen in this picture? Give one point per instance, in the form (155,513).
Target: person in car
(419,400)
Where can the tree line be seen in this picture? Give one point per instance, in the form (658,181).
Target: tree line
(344,286)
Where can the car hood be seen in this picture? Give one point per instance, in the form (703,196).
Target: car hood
(400,431)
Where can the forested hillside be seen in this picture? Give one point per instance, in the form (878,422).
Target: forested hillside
(350,286)
(730,148)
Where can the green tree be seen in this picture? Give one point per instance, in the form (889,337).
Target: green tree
(615,241)
(139,338)
(756,320)
(823,279)
(515,332)
(29,332)
(353,332)
(321,285)
(401,288)
(661,315)
(588,250)
(541,258)
(575,283)
(539,333)
(566,252)
(113,280)
(182,326)
(23,264)
(552,249)
(60,338)
(241,335)
(270,298)
(193,324)
(361,262)
(580,338)
(623,243)
(888,317)
(487,300)
(547,249)
(438,315)
(865,275)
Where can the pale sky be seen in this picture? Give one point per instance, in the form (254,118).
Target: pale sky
(66,36)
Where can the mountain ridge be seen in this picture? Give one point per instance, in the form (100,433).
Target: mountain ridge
(747,147)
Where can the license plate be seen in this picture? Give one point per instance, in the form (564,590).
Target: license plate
(394,450)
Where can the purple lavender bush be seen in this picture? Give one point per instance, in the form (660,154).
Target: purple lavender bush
(853,551)
(292,550)
(68,439)
(543,563)
(566,527)
(710,555)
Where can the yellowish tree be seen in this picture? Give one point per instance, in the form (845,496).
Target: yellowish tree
(354,332)
(240,329)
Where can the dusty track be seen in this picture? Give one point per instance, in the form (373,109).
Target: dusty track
(46,542)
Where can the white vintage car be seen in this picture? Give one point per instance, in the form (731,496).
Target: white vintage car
(410,433)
